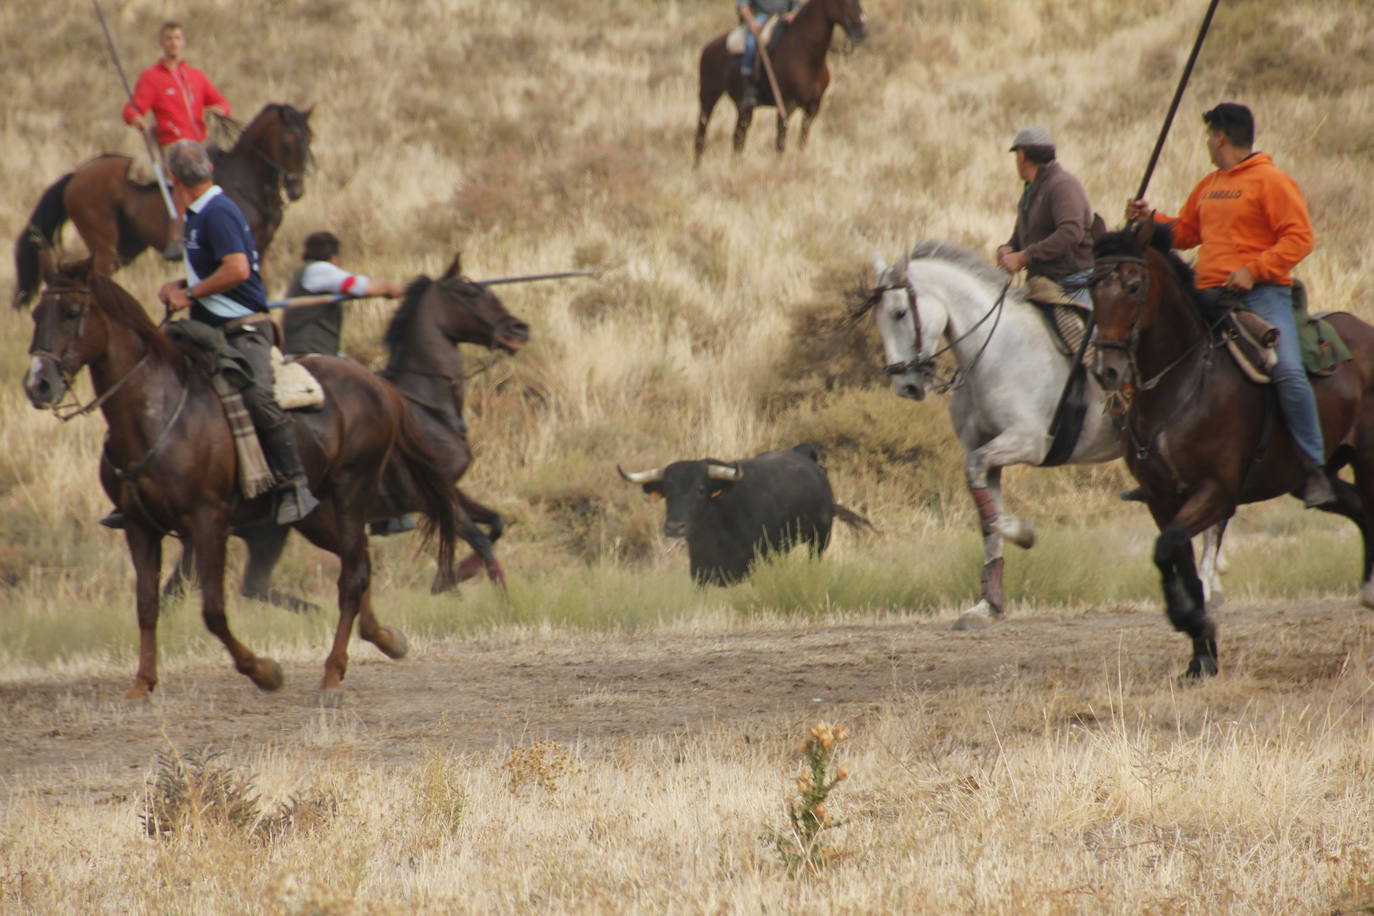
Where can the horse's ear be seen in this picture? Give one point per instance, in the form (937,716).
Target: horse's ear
(879,265)
(1144,232)
(456,267)
(1099,227)
(306,114)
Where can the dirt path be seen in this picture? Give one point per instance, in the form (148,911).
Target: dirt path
(72,739)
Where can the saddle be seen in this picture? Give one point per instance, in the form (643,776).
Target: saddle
(295,388)
(1066,319)
(735,39)
(1252,341)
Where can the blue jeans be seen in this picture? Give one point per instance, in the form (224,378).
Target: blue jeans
(1275,305)
(751,45)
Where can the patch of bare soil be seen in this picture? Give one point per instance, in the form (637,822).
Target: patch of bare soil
(79,740)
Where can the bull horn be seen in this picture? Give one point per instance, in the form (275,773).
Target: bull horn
(730,472)
(654,475)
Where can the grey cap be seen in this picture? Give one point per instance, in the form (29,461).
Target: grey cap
(1033,136)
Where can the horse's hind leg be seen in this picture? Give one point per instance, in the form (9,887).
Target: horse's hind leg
(265,544)
(145,549)
(708,105)
(210,540)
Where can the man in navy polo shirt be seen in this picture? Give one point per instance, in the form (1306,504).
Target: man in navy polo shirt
(224,289)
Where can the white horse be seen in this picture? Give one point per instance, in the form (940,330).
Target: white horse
(1008,382)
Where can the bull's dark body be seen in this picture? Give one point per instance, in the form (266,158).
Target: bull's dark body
(782,499)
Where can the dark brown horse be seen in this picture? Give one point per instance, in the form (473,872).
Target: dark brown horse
(798,61)
(118,218)
(169,462)
(1199,435)
(427,368)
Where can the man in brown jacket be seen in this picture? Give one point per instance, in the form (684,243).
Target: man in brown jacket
(1052,240)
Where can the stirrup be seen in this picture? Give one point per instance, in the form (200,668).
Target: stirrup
(1317,491)
(294,502)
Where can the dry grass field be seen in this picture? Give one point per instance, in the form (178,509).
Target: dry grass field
(611,737)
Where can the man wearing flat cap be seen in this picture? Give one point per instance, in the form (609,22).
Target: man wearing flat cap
(1052,240)
(1251,223)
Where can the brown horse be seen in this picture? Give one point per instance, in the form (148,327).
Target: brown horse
(118,218)
(169,461)
(1199,435)
(427,368)
(798,61)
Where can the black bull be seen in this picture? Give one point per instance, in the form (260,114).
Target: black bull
(731,513)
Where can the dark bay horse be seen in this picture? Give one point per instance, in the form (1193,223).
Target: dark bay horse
(1199,435)
(169,462)
(798,60)
(426,366)
(118,218)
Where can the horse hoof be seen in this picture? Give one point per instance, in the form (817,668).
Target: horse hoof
(331,697)
(393,643)
(1198,670)
(268,676)
(471,566)
(140,691)
(497,574)
(977,617)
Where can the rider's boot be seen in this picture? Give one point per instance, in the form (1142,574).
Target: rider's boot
(114,520)
(1133,495)
(749,94)
(1316,490)
(293,497)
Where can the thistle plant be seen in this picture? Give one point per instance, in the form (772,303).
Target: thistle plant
(802,846)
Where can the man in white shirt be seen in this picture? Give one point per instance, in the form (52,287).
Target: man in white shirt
(319,328)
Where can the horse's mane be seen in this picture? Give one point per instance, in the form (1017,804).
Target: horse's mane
(119,306)
(957,255)
(399,327)
(1123,242)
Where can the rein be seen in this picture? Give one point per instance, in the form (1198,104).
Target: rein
(73,411)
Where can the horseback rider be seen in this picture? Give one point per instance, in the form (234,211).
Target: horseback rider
(319,328)
(1252,224)
(1051,240)
(223,288)
(171,96)
(754,14)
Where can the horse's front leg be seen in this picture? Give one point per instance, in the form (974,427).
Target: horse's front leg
(1184,602)
(1011,447)
(1211,565)
(746,115)
(809,116)
(988,500)
(782,128)
(210,540)
(145,550)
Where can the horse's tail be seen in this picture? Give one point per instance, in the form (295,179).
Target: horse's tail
(437,496)
(39,233)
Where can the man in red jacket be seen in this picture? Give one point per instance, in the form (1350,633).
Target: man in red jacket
(176,94)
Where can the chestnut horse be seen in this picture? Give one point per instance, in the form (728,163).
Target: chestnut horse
(169,462)
(426,367)
(798,61)
(118,218)
(1199,435)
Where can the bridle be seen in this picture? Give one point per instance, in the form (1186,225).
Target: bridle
(926,364)
(65,411)
(1111,264)
(283,173)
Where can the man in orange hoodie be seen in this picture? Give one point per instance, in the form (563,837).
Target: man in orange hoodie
(1251,222)
(171,96)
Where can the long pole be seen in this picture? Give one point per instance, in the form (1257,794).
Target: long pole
(129,93)
(1178,95)
(772,80)
(326,298)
